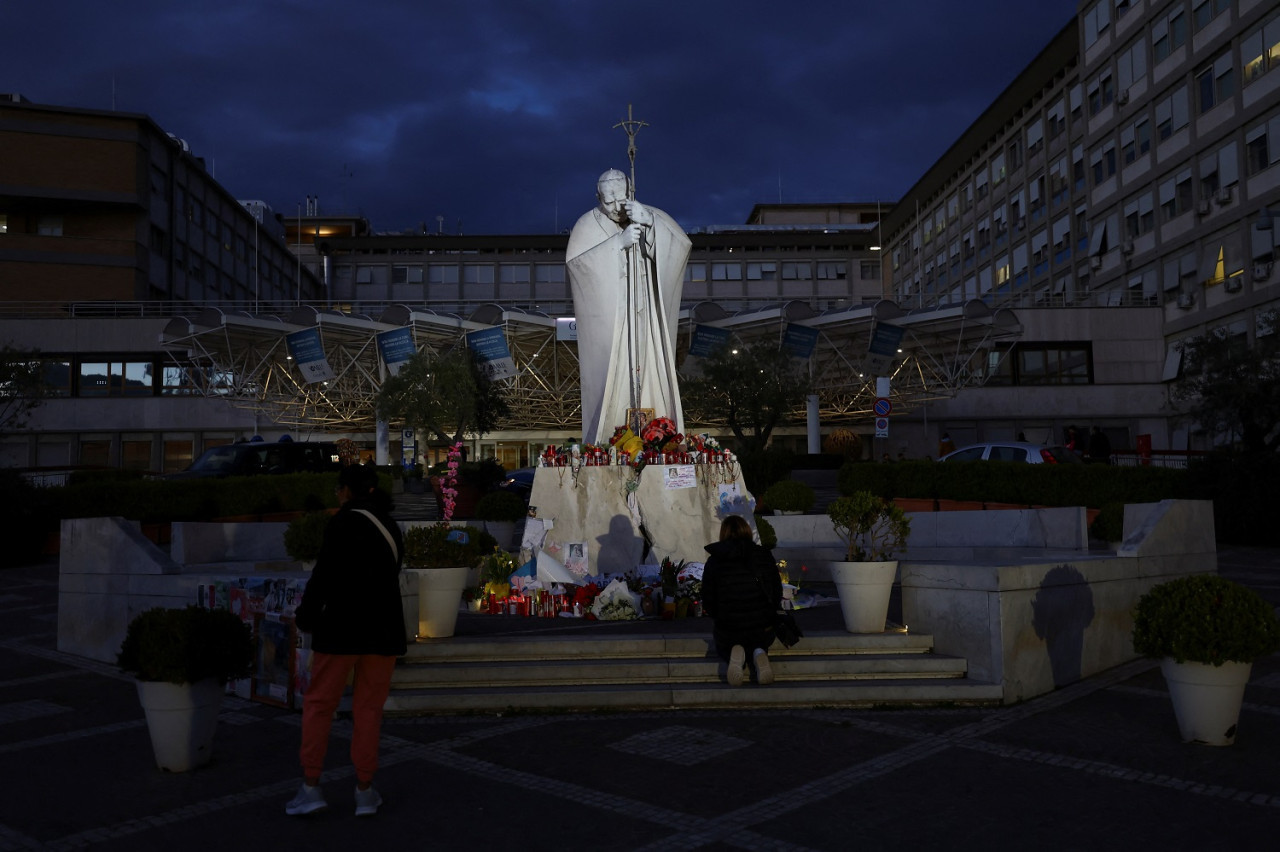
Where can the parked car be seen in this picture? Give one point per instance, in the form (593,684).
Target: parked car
(258,457)
(518,482)
(1014,451)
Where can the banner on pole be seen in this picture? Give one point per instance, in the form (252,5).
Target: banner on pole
(308,354)
(490,348)
(396,347)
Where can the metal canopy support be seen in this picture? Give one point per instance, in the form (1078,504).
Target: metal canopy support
(244,358)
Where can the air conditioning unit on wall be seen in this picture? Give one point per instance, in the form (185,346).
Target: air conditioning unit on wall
(1203,207)
(1224,195)
(1186,301)
(1126,247)
(1234,284)
(1261,271)
(1122,97)
(1096,261)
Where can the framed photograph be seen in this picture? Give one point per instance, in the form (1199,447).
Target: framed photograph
(638,418)
(576,558)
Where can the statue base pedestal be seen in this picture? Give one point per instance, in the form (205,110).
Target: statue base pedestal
(677,509)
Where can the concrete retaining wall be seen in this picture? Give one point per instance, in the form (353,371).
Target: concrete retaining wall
(109,572)
(1018,593)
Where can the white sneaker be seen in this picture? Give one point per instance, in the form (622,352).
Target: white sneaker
(764,672)
(308,801)
(367,802)
(737,661)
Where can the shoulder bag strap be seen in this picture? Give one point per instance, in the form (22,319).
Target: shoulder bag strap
(395,552)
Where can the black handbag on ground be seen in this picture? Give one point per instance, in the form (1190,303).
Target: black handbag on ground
(784,621)
(786,629)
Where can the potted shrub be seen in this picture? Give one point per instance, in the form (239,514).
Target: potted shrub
(768,537)
(788,497)
(304,535)
(182,659)
(1206,631)
(500,510)
(442,555)
(872,530)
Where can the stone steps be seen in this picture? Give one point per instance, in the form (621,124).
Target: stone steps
(462,674)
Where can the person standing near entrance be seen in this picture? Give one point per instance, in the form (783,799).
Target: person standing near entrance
(352,609)
(1099,447)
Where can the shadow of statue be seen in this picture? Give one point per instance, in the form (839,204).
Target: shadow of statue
(620,548)
(1061,610)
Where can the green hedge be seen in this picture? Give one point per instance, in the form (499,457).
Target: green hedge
(764,468)
(1014,482)
(1239,486)
(152,501)
(1102,487)
(1242,488)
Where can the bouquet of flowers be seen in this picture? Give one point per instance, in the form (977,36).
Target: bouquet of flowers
(584,597)
(616,603)
(496,569)
(669,572)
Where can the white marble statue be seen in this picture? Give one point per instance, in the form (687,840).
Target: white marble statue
(626,267)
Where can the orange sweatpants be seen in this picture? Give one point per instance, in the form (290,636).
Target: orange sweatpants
(370,689)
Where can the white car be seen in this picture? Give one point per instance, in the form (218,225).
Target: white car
(1014,451)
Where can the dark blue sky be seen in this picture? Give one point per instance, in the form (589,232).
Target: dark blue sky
(497,115)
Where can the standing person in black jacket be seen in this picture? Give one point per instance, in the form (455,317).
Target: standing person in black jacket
(352,609)
(742,592)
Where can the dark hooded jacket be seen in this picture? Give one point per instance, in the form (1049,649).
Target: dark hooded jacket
(741,587)
(351,604)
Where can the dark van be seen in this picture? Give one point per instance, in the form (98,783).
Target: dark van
(258,457)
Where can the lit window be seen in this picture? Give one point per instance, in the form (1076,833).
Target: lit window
(1260,50)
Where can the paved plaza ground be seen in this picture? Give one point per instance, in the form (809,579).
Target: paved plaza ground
(1097,765)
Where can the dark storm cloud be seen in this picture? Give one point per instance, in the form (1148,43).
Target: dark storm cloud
(498,116)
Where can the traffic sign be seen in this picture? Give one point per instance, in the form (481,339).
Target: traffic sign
(883,407)
(882,427)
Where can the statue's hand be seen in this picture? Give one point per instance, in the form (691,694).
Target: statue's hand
(632,234)
(638,213)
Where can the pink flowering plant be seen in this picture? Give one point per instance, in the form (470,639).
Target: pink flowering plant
(449,482)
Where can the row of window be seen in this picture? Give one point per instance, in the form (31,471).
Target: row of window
(1037,364)
(1213,83)
(1171,26)
(92,375)
(1221,258)
(695,271)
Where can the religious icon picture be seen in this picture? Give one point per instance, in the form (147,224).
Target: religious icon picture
(638,418)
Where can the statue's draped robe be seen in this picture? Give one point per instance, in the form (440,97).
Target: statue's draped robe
(597,266)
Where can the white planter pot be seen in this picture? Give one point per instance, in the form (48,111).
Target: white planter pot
(439,596)
(503,531)
(864,589)
(1206,699)
(182,719)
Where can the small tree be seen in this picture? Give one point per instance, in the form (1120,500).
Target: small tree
(22,386)
(1231,388)
(446,394)
(752,390)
